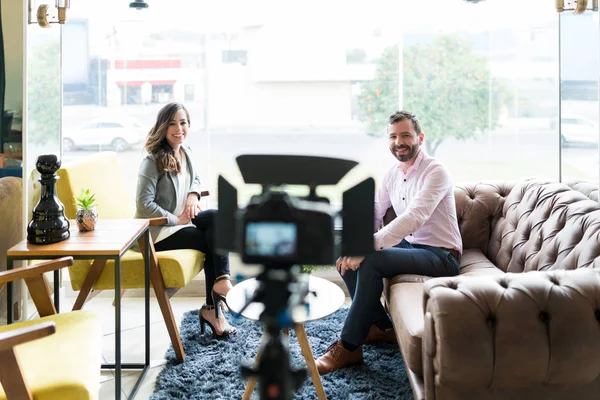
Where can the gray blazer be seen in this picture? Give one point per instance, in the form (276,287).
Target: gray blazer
(157,196)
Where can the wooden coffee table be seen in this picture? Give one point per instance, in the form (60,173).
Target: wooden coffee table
(329,298)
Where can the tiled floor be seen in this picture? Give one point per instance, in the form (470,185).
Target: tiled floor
(132,322)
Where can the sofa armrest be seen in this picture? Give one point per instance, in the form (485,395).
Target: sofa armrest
(510,331)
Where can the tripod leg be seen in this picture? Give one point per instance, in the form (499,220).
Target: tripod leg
(252,380)
(310,360)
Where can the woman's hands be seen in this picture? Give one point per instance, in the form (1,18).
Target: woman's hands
(183,219)
(192,207)
(343,264)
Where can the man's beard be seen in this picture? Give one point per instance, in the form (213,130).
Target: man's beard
(412,151)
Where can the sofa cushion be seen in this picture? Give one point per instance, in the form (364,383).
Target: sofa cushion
(475,263)
(66,364)
(404,294)
(408,278)
(405,304)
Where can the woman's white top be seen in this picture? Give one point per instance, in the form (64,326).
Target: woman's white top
(184,181)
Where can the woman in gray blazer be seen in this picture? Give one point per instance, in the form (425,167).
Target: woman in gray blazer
(168,186)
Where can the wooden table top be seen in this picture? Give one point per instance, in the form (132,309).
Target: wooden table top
(329,298)
(110,238)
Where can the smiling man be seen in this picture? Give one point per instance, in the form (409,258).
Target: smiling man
(423,239)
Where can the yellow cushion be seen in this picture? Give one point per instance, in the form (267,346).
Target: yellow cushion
(113,198)
(178,267)
(65,365)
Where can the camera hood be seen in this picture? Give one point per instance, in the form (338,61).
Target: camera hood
(270,169)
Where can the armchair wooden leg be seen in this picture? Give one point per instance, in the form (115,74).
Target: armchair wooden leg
(40,294)
(17,307)
(158,283)
(121,295)
(11,376)
(88,284)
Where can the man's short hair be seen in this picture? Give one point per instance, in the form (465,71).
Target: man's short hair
(402,115)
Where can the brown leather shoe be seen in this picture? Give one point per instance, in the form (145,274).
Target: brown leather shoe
(338,357)
(377,335)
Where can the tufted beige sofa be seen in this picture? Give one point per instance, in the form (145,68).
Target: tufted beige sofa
(522,320)
(585,187)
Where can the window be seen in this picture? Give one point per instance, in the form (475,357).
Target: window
(483,81)
(579,132)
(43,93)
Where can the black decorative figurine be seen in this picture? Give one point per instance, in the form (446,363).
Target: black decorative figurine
(48,223)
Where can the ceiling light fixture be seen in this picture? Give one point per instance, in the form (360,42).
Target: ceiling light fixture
(42,13)
(577,6)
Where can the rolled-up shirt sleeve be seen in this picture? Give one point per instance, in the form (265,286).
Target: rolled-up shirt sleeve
(436,186)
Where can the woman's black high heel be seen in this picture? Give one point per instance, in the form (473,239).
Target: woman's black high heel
(203,321)
(218,298)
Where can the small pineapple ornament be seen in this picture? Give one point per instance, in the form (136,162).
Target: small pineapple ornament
(87,214)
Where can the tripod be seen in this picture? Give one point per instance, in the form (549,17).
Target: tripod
(280,291)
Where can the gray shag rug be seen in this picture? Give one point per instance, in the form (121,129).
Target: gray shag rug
(212,367)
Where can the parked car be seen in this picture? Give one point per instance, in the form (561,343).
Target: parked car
(578,130)
(120,135)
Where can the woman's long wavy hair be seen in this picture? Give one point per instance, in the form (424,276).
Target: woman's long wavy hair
(156,142)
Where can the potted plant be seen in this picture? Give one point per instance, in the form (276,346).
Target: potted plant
(87,214)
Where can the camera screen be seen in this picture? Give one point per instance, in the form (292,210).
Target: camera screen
(271,239)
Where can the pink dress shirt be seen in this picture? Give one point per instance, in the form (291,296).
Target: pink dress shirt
(423,200)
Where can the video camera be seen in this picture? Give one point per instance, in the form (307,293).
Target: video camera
(281,232)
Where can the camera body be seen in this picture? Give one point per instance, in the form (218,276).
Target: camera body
(277,229)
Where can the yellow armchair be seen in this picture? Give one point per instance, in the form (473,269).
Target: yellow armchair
(55,357)
(102,174)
